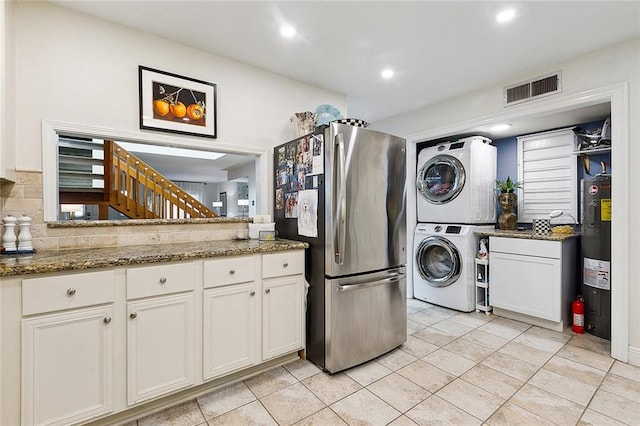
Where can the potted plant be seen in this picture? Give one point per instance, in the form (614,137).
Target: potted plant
(507,185)
(507,200)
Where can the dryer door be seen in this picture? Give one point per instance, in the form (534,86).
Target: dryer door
(438,261)
(441,179)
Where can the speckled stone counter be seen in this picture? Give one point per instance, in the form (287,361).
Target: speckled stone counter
(528,235)
(72,260)
(143,222)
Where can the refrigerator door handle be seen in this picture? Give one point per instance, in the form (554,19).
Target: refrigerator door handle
(341,203)
(389,280)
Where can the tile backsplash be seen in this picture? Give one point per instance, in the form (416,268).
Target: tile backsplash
(25,197)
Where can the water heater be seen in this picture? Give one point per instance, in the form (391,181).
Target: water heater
(596,254)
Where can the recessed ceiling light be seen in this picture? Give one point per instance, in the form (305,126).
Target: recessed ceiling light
(388,73)
(506,15)
(287,31)
(500,127)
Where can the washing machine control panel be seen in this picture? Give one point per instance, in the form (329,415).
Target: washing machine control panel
(437,228)
(453,229)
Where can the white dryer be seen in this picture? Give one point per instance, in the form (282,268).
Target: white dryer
(455,182)
(443,264)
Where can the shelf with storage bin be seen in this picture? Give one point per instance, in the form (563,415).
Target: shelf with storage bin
(482,285)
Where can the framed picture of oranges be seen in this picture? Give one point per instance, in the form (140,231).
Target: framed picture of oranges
(176,104)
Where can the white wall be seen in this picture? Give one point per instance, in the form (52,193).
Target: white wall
(615,64)
(7,91)
(248,172)
(75,68)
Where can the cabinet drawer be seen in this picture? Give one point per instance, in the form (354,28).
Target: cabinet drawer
(285,263)
(160,279)
(67,291)
(232,270)
(540,248)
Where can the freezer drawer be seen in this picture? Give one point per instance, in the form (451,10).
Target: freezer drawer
(366,316)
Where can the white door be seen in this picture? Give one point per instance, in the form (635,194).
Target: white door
(160,346)
(231,329)
(67,374)
(526,284)
(282,315)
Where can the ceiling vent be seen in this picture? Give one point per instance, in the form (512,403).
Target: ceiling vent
(533,89)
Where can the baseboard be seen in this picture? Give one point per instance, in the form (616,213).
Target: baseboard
(634,356)
(127,416)
(551,325)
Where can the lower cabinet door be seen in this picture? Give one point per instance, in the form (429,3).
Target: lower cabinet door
(67,370)
(231,327)
(282,315)
(160,346)
(528,285)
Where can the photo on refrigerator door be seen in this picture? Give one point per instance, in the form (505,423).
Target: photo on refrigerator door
(291,205)
(308,213)
(317,161)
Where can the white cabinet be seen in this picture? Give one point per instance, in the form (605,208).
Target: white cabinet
(77,347)
(68,357)
(282,303)
(231,321)
(533,280)
(160,331)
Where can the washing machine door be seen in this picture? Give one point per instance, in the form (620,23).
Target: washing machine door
(438,261)
(441,179)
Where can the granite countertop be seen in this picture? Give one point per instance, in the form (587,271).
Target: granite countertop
(79,259)
(528,235)
(143,222)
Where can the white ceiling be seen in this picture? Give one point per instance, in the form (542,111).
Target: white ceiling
(438,49)
(195,169)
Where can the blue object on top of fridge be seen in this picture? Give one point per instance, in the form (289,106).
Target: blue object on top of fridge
(342,189)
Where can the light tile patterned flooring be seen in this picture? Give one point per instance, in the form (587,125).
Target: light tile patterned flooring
(455,368)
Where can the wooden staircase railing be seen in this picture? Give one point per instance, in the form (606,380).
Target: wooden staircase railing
(138,191)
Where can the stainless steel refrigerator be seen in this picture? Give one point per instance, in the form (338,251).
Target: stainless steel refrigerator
(342,190)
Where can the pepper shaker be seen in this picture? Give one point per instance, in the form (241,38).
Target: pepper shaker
(24,238)
(9,237)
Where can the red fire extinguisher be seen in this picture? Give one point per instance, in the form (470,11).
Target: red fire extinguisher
(577,310)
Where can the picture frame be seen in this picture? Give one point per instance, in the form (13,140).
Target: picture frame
(176,104)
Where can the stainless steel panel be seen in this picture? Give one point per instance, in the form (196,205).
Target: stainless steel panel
(365,317)
(365,190)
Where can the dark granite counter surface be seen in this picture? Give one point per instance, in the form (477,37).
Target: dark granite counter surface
(528,235)
(79,259)
(143,222)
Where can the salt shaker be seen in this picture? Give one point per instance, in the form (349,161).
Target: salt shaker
(9,237)
(24,238)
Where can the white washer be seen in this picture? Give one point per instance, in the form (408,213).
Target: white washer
(455,182)
(443,264)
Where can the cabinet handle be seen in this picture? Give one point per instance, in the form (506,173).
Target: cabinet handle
(107,320)
(133,315)
(71,292)
(163,280)
(285,264)
(268,291)
(231,272)
(253,293)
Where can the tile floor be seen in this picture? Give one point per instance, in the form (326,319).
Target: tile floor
(455,368)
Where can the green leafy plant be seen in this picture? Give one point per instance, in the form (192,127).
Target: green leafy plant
(507,185)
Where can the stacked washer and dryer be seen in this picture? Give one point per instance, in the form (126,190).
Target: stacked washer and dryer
(455,198)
